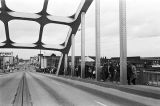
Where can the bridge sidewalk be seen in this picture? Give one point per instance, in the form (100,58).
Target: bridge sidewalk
(142,90)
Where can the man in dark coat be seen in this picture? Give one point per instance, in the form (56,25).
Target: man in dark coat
(111,70)
(129,73)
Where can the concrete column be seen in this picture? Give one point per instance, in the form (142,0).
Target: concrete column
(65,63)
(73,55)
(97,23)
(83,45)
(123,42)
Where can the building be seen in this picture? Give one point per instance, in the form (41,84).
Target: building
(16,60)
(34,60)
(6,60)
(89,60)
(48,60)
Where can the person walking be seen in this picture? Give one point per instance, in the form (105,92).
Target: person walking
(134,74)
(111,71)
(103,74)
(129,73)
(117,76)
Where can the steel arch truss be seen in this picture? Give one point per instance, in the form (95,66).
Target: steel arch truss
(43,18)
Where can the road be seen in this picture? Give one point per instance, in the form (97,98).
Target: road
(37,89)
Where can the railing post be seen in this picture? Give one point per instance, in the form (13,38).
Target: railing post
(83,45)
(148,78)
(157,78)
(141,77)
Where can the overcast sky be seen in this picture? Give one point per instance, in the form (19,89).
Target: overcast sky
(143,27)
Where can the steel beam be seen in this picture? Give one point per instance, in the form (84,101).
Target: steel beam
(73,55)
(59,64)
(42,18)
(65,63)
(83,45)
(97,38)
(123,42)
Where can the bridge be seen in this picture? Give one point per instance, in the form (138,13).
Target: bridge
(27,87)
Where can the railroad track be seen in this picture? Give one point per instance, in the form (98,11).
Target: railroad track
(22,96)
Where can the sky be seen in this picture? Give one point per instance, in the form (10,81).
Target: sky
(143,23)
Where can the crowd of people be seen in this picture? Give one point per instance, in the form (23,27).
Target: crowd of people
(109,72)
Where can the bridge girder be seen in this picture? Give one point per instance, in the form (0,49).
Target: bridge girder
(43,18)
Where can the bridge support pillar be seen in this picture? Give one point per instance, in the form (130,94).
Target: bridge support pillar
(97,25)
(83,45)
(123,42)
(73,55)
(65,63)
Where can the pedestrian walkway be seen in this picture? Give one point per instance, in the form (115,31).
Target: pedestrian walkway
(142,90)
(2,72)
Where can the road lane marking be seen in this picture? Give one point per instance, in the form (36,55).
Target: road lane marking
(22,95)
(57,83)
(100,103)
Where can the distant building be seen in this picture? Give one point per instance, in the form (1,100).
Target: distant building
(140,62)
(48,60)
(16,60)
(34,60)
(89,60)
(6,60)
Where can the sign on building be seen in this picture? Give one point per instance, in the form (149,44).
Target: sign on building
(6,54)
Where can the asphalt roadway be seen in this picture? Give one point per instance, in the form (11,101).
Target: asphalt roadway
(26,88)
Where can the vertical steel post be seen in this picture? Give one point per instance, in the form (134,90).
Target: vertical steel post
(65,63)
(97,23)
(83,45)
(123,42)
(59,64)
(73,55)
(40,59)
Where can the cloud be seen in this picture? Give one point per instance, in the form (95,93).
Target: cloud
(55,33)
(143,47)
(24,31)
(2,32)
(142,18)
(63,7)
(148,28)
(31,6)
